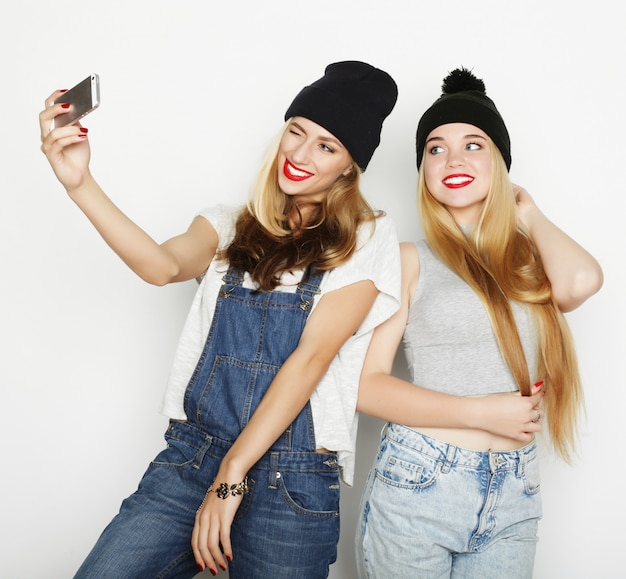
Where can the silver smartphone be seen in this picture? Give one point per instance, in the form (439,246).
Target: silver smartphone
(83,98)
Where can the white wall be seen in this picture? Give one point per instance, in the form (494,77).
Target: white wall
(191,93)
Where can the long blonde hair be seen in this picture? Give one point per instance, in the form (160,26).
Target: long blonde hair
(500,263)
(266,246)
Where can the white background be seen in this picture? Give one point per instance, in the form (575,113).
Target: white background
(191,93)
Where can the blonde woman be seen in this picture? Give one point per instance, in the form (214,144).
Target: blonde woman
(263,391)
(454,491)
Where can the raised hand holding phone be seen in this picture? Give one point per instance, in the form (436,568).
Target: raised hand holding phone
(82,98)
(68,150)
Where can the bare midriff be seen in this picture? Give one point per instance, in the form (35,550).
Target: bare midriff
(472,439)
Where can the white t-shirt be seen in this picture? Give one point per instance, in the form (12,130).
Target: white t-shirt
(333,402)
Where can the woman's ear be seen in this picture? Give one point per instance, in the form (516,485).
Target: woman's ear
(347,171)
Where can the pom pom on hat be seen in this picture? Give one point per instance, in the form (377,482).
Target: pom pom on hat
(351,101)
(464,100)
(461,79)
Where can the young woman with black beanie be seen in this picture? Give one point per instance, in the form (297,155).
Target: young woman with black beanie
(454,490)
(263,389)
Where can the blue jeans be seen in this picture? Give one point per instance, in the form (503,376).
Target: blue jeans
(287,526)
(432,510)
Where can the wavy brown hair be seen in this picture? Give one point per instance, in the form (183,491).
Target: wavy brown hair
(266,246)
(501,264)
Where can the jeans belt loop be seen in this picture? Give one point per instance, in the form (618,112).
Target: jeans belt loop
(274,474)
(450,452)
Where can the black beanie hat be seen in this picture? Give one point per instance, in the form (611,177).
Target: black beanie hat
(464,100)
(351,101)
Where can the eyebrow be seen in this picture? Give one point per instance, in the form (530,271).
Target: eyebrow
(468,136)
(474,136)
(330,139)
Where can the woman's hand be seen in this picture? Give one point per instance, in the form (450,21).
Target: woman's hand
(210,539)
(510,414)
(525,207)
(574,273)
(66,148)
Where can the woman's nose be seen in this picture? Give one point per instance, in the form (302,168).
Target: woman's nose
(300,154)
(455,159)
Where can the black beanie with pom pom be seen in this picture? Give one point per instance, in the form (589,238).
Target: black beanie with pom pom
(464,100)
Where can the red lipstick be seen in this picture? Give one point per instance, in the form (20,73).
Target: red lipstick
(457,180)
(294,173)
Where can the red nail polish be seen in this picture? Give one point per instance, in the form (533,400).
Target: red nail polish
(539,384)
(213,572)
(84,130)
(200,567)
(229,558)
(65,105)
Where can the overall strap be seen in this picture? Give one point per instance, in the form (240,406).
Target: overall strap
(309,287)
(232,278)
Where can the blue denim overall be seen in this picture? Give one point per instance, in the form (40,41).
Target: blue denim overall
(287,526)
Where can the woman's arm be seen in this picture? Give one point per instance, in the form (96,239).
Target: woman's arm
(392,399)
(395,400)
(337,317)
(181,258)
(573,272)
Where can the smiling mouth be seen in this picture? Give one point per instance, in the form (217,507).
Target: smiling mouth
(293,173)
(455,181)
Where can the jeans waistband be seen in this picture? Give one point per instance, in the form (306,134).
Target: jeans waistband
(454,455)
(271,460)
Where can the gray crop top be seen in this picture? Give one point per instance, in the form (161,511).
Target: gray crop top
(448,341)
